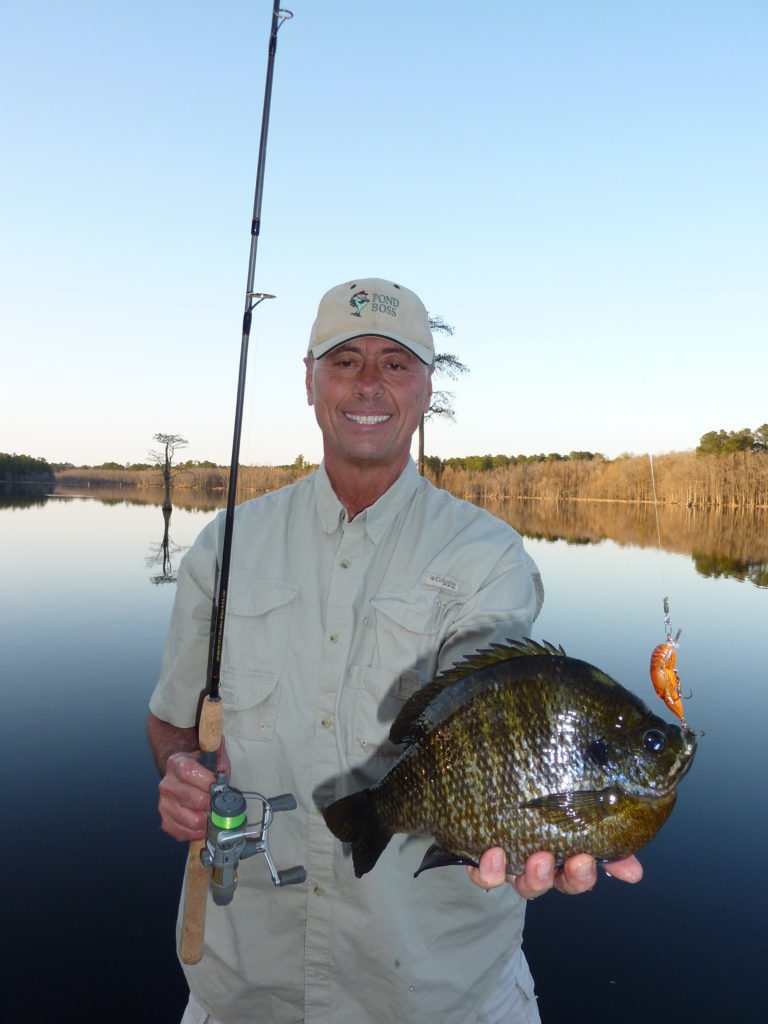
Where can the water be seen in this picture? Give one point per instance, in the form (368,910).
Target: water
(92,885)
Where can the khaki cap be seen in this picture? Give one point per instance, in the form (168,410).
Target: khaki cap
(372,306)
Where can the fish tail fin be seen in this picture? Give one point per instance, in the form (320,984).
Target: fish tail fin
(355,819)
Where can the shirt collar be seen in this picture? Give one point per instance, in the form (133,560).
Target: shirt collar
(376,517)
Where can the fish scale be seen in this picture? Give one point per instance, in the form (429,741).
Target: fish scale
(524,748)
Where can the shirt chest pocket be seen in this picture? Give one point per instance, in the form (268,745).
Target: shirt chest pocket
(409,629)
(257,633)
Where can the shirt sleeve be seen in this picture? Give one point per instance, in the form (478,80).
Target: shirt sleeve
(504,607)
(184,670)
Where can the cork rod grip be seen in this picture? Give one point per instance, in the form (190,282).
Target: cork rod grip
(196,889)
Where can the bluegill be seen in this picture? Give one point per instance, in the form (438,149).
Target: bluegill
(522,747)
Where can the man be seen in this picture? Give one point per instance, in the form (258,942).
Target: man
(349,590)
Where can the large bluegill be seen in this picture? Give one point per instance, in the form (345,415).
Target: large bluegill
(524,748)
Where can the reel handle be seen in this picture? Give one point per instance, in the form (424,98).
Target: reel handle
(291,876)
(284,802)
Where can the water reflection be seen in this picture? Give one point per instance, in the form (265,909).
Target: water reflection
(162,553)
(711,563)
(198,501)
(12,496)
(82,640)
(727,543)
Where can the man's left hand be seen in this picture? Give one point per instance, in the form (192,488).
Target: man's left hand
(577,875)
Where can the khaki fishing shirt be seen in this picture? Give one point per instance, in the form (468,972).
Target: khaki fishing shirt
(330,626)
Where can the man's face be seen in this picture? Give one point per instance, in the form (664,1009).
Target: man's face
(369,394)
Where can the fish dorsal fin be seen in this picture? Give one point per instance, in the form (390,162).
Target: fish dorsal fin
(422,711)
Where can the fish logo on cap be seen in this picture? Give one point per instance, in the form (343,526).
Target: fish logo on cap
(359,300)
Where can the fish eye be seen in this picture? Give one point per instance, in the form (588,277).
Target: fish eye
(654,740)
(598,751)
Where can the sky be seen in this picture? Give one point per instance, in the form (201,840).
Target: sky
(577,187)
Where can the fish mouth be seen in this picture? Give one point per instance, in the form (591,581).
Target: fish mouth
(688,754)
(681,768)
(664,787)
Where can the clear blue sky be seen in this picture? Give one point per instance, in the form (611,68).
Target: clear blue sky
(578,187)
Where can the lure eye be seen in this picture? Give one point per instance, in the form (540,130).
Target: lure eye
(654,740)
(598,751)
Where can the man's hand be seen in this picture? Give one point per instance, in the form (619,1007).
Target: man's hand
(185,789)
(577,875)
(185,797)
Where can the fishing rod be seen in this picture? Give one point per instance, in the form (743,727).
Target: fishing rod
(214,859)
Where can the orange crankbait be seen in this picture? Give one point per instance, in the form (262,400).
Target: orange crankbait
(665,679)
(664,675)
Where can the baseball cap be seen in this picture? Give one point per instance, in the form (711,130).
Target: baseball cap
(370,305)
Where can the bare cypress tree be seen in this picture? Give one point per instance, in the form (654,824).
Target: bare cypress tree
(442,401)
(164,458)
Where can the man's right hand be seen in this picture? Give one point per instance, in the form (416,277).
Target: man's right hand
(185,797)
(185,789)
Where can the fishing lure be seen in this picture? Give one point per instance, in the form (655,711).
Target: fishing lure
(666,681)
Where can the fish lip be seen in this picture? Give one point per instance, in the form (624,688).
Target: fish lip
(689,753)
(674,780)
(685,768)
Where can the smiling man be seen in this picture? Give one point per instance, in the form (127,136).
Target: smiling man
(369,390)
(350,590)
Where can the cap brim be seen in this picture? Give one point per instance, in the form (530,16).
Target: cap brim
(427,356)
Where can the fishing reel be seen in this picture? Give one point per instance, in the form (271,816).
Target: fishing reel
(231,839)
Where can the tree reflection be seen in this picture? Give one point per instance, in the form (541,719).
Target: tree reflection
(13,496)
(164,550)
(710,563)
(730,543)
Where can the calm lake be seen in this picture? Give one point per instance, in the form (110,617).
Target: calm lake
(92,884)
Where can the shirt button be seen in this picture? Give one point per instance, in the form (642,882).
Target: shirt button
(319,890)
(326,722)
(334,638)
(344,563)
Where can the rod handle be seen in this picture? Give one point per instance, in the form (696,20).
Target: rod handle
(210,732)
(211,727)
(193,929)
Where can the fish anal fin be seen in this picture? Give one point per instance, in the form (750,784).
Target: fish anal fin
(438,857)
(585,808)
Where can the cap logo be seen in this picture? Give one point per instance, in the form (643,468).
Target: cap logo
(359,300)
(386,304)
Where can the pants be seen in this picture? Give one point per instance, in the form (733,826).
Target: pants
(512,1001)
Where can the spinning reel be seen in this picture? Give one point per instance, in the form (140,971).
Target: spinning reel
(231,838)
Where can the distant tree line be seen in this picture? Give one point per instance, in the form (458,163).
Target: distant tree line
(718,442)
(193,476)
(739,479)
(20,468)
(727,469)
(483,463)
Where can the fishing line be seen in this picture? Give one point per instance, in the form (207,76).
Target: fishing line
(664,676)
(655,500)
(660,550)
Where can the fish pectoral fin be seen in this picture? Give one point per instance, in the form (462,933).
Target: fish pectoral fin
(438,857)
(587,807)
